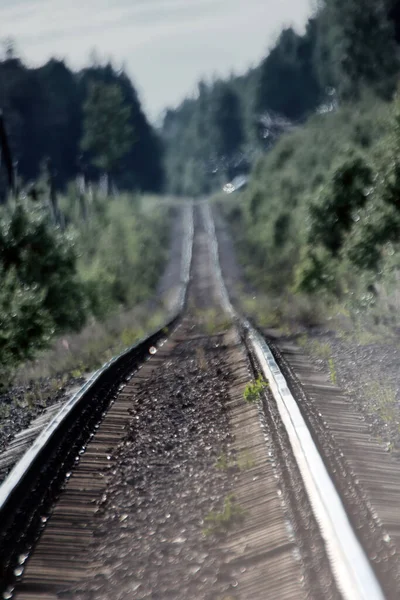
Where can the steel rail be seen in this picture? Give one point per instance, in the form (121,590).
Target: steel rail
(350,566)
(26,484)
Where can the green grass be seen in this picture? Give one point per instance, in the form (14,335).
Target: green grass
(245,460)
(121,250)
(254,390)
(384,402)
(219,523)
(212,321)
(84,352)
(321,350)
(242,462)
(332,371)
(225,462)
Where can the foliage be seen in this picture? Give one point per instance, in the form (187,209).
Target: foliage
(254,390)
(348,47)
(87,350)
(108,135)
(385,402)
(40,291)
(121,248)
(332,371)
(51,282)
(213,321)
(357,219)
(43,111)
(335,213)
(25,325)
(220,523)
(320,214)
(226,121)
(288,81)
(361,46)
(44,259)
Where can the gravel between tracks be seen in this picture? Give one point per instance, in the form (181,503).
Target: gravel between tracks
(150,540)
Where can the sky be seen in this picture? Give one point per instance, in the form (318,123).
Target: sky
(166,46)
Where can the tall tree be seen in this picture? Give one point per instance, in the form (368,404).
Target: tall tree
(362,46)
(288,82)
(227,120)
(107,133)
(61,121)
(142,166)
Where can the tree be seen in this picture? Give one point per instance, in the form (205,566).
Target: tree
(336,213)
(361,48)
(61,119)
(226,120)
(40,292)
(288,82)
(108,135)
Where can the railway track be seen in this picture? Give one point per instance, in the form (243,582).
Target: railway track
(157,480)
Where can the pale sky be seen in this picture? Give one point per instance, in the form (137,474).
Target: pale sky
(165,45)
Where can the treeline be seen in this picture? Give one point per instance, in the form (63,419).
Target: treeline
(321,215)
(348,45)
(43,110)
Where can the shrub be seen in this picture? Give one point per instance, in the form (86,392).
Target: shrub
(40,292)
(25,324)
(43,259)
(254,390)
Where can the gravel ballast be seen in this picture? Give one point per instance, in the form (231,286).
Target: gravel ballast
(165,482)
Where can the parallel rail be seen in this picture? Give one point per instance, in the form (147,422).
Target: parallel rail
(27,491)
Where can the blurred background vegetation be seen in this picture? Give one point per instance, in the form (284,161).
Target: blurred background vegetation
(76,252)
(318,226)
(47,112)
(315,127)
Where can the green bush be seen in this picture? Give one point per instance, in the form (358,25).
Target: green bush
(335,213)
(45,259)
(122,251)
(109,259)
(25,323)
(40,292)
(320,214)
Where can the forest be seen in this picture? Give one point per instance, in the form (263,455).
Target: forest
(346,48)
(318,226)
(69,257)
(44,112)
